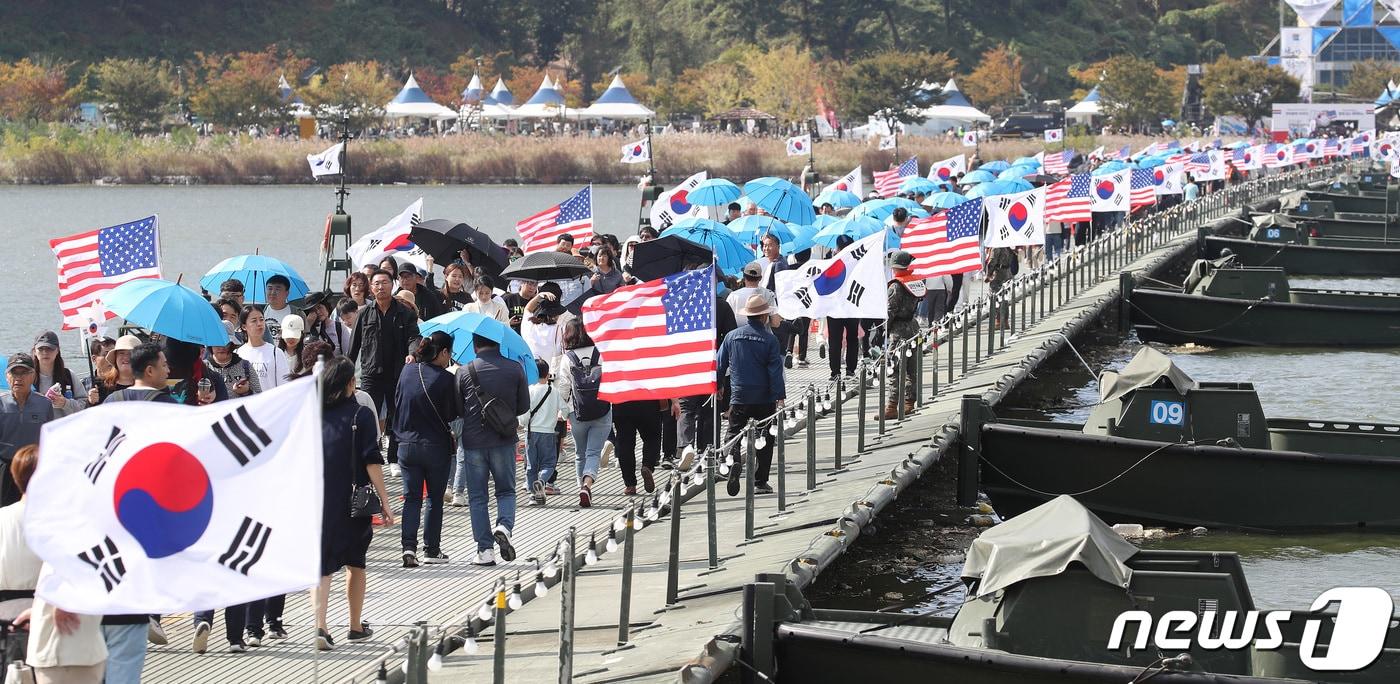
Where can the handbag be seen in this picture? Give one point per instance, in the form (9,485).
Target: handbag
(495,415)
(364,501)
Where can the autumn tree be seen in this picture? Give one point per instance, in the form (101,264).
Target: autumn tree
(33,91)
(137,93)
(996,82)
(241,89)
(354,90)
(1246,88)
(1370,78)
(890,85)
(444,87)
(784,80)
(1134,93)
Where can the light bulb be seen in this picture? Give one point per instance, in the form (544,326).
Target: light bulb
(515,600)
(665,499)
(728,459)
(773,429)
(435,662)
(485,612)
(552,570)
(611,545)
(591,557)
(469,646)
(404,666)
(908,353)
(652,514)
(724,470)
(541,590)
(762,442)
(620,524)
(640,523)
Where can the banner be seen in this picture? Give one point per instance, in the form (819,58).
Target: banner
(144,507)
(326,163)
(1016,220)
(1109,192)
(948,169)
(1168,178)
(852,182)
(848,285)
(672,205)
(391,239)
(888,142)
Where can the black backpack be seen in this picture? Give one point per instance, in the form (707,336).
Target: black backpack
(586,379)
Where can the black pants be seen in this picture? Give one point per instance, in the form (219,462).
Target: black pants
(629,422)
(423,464)
(381,390)
(269,609)
(669,430)
(697,423)
(801,328)
(865,325)
(839,330)
(957,290)
(235,621)
(738,422)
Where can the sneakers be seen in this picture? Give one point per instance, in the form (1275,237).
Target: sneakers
(551,490)
(251,639)
(585,497)
(648,480)
(787,361)
(802,363)
(359,634)
(537,493)
(237,647)
(762,488)
(410,559)
(275,632)
(607,455)
(201,638)
(736,475)
(458,499)
(155,633)
(502,537)
(447,496)
(485,557)
(394,470)
(434,558)
(687,458)
(324,642)
(629,491)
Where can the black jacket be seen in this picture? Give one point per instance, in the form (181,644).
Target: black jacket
(382,339)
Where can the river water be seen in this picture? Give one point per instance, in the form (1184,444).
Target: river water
(201,225)
(1284,572)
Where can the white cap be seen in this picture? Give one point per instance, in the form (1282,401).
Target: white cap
(293,326)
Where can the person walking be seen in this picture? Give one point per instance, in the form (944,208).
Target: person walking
(902,301)
(751,360)
(541,440)
(486,303)
(267,361)
(424,408)
(351,460)
(385,333)
(695,428)
(490,388)
(590,419)
(633,419)
(277,289)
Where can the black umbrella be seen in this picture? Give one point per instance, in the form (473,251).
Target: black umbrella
(546,266)
(664,256)
(443,239)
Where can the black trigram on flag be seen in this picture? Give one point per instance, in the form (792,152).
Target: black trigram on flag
(241,436)
(804,296)
(107,561)
(859,252)
(857,291)
(94,470)
(247,546)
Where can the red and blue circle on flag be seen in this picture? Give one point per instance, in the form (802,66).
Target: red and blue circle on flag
(1018,215)
(678,202)
(1104,189)
(399,244)
(831,279)
(1158,177)
(163,497)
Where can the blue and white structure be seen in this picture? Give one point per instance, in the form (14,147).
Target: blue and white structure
(616,103)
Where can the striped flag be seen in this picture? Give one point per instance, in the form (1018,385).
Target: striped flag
(91,263)
(1142,189)
(1068,200)
(573,216)
(1058,162)
(1331,147)
(1362,141)
(656,339)
(947,242)
(887,182)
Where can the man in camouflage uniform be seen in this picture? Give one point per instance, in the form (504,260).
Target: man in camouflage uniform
(902,302)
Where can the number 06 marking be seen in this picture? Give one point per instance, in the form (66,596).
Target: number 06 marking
(1167,413)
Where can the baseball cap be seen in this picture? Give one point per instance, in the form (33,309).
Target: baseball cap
(406,267)
(293,326)
(753,270)
(48,338)
(22,360)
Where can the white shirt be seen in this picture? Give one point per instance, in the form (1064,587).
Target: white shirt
(548,412)
(269,362)
(495,308)
(740,297)
(274,318)
(543,339)
(19,567)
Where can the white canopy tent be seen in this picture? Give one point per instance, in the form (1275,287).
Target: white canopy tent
(616,103)
(413,103)
(1086,110)
(546,103)
(473,93)
(955,111)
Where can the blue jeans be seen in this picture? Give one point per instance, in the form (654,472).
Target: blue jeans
(420,463)
(589,436)
(126,652)
(496,463)
(541,456)
(1054,244)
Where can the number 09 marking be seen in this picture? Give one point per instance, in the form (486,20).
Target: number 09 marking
(1167,413)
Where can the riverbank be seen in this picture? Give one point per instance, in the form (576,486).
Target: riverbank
(56,156)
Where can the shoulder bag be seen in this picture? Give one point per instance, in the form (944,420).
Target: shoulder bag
(495,415)
(364,501)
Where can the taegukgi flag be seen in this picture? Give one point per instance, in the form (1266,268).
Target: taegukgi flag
(673,204)
(1054,135)
(391,239)
(799,146)
(852,182)
(848,285)
(636,152)
(326,163)
(888,142)
(1109,192)
(144,507)
(969,139)
(948,169)
(1167,178)
(1016,220)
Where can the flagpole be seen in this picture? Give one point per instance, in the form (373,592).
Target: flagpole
(345,136)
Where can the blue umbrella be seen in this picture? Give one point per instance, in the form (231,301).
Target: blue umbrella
(461,325)
(731,254)
(881,209)
(781,198)
(1001,187)
(839,199)
(918,185)
(253,270)
(1026,161)
(1016,173)
(995,166)
(854,227)
(1110,167)
(801,237)
(944,200)
(750,228)
(1151,162)
(980,176)
(1168,122)
(715,192)
(170,309)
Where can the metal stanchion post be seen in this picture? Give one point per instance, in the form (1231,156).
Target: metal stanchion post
(933,357)
(811,437)
(962,332)
(884,390)
(624,615)
(673,554)
(498,659)
(712,461)
(977,336)
(901,377)
(750,465)
(780,446)
(860,415)
(569,583)
(917,347)
(838,407)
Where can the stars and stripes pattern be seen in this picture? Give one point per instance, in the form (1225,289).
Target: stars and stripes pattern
(947,242)
(1142,189)
(91,263)
(1362,141)
(1198,163)
(573,216)
(656,339)
(1057,163)
(887,182)
(1331,148)
(1068,200)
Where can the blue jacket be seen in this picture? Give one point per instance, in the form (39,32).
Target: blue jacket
(421,417)
(751,362)
(501,378)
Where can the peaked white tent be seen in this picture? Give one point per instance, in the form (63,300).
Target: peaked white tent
(501,94)
(1087,108)
(955,111)
(616,103)
(473,93)
(546,103)
(290,97)
(413,103)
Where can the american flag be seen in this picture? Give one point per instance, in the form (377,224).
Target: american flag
(1332,147)
(91,263)
(1122,154)
(656,339)
(945,243)
(573,216)
(1362,142)
(887,182)
(1198,163)
(1068,200)
(1058,162)
(1143,189)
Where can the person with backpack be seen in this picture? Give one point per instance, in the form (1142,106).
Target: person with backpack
(590,419)
(493,392)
